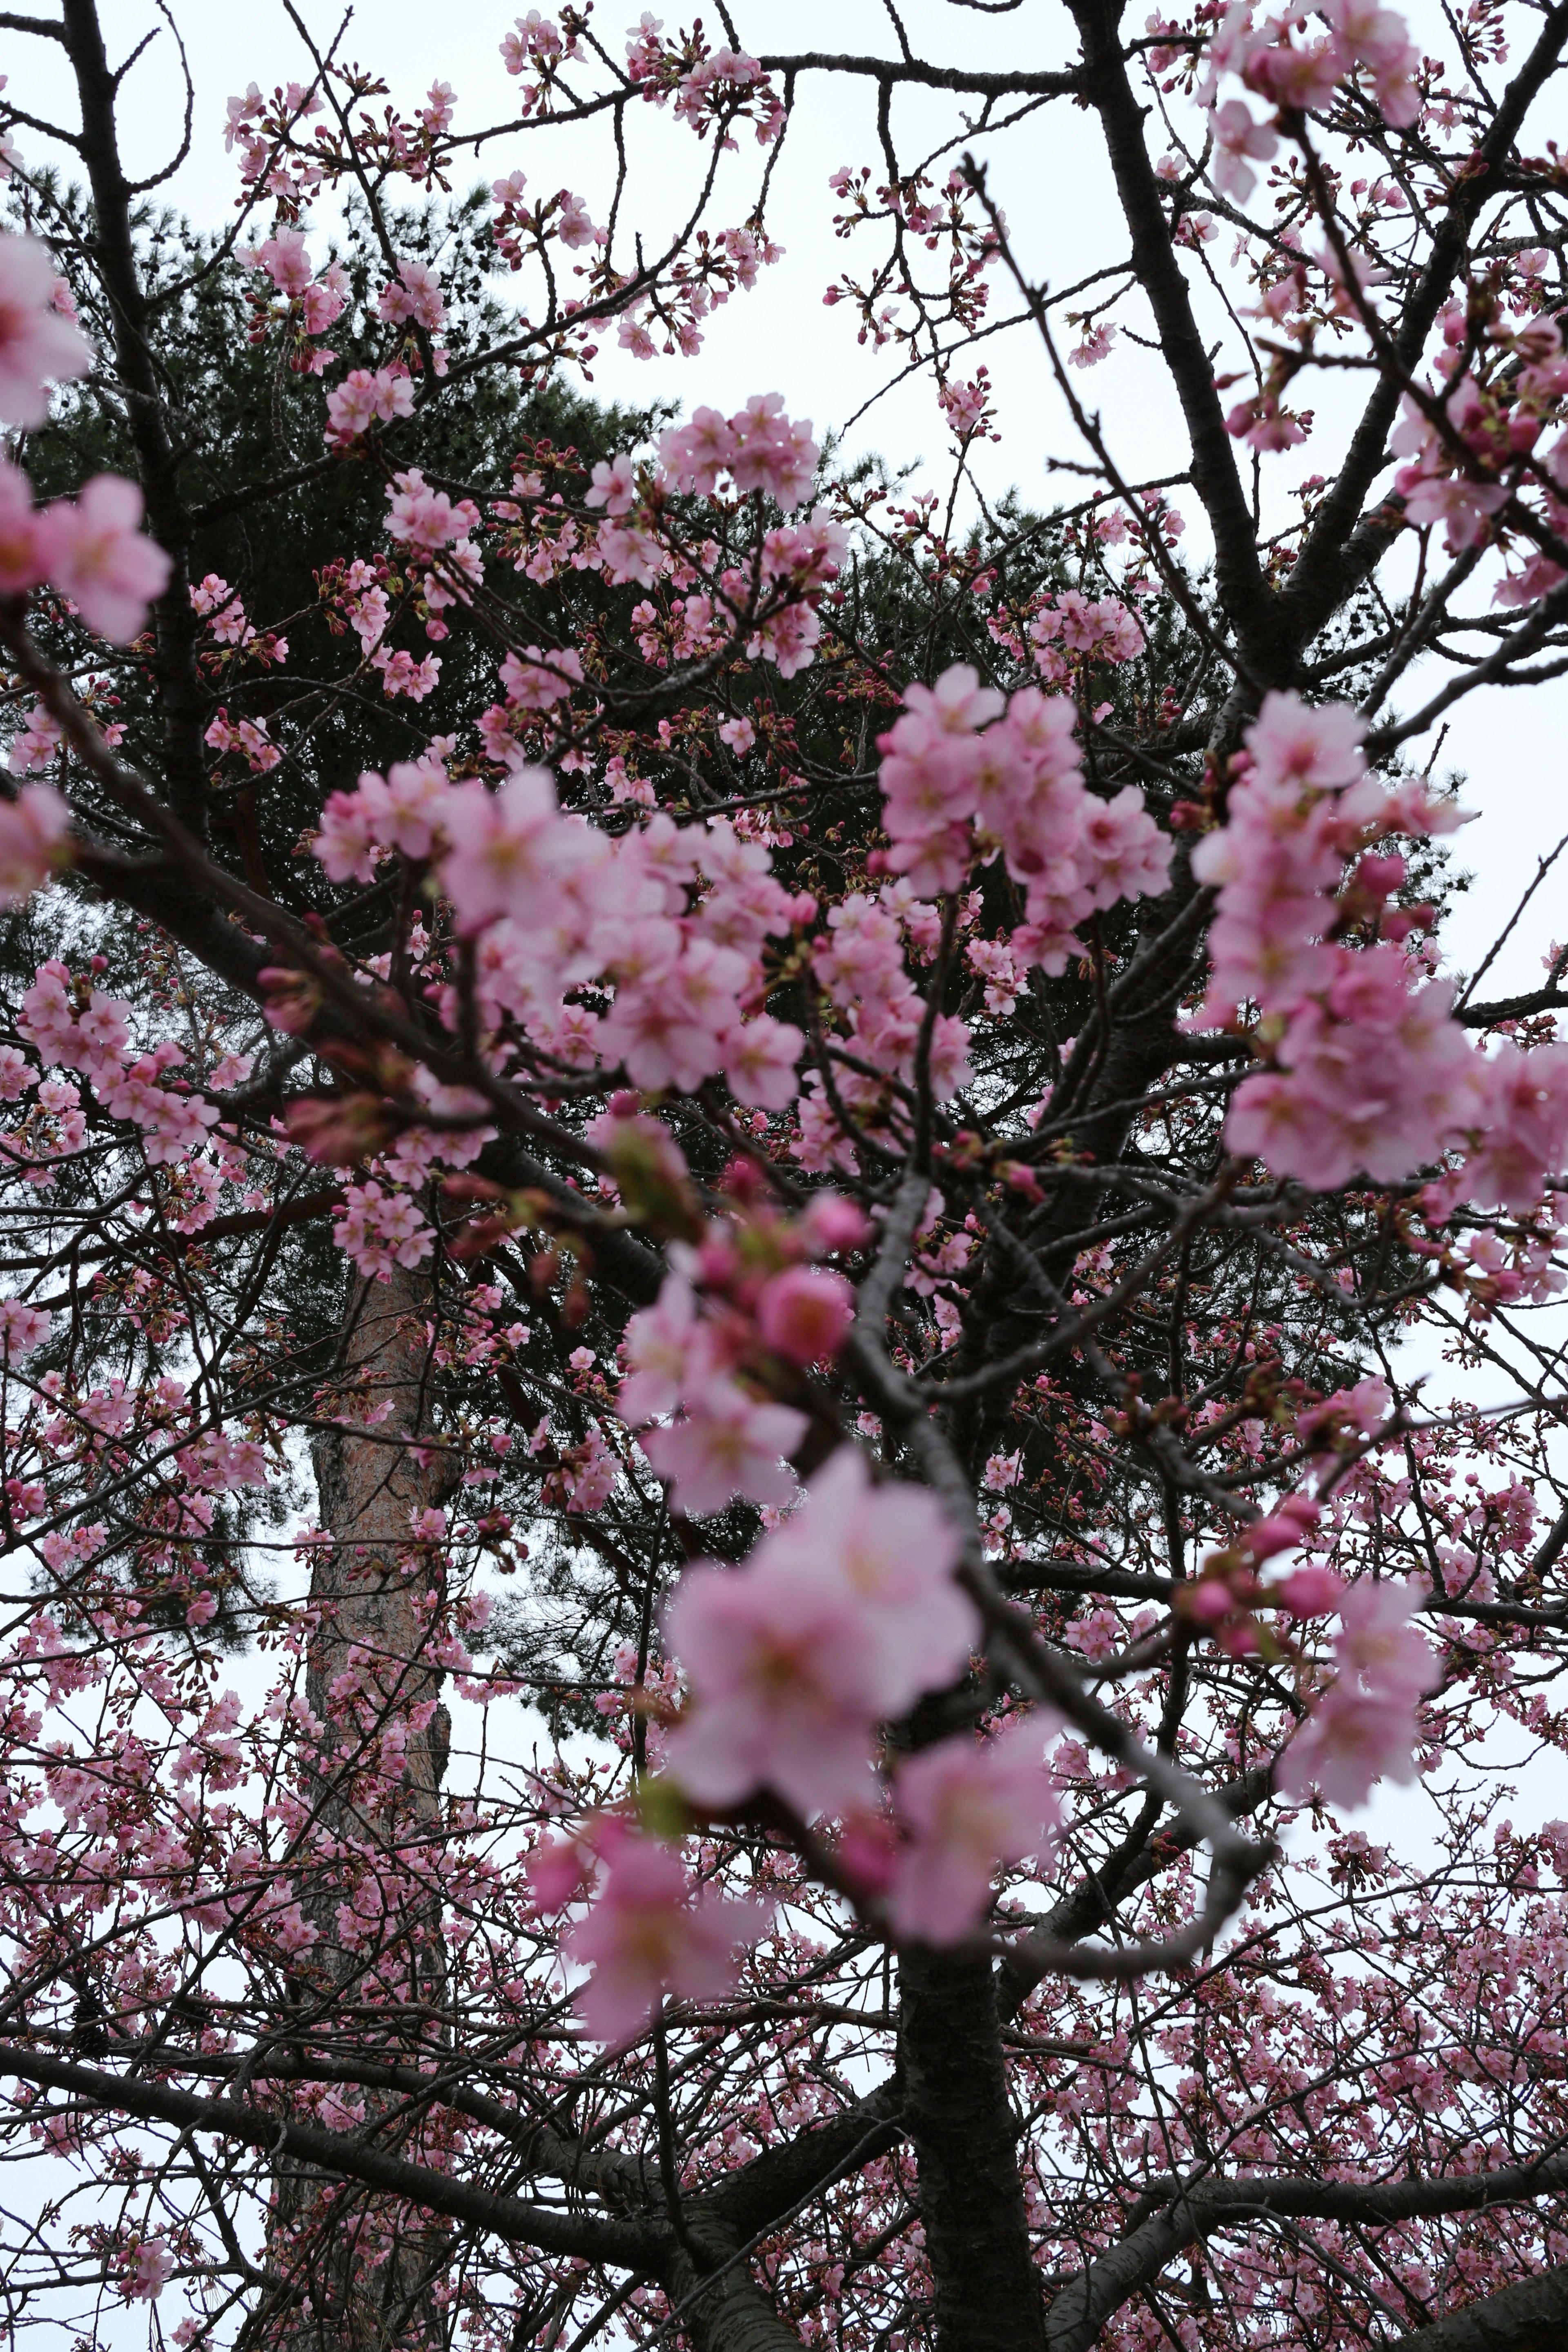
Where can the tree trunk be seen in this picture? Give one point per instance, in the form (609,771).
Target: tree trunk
(361,2275)
(987,2292)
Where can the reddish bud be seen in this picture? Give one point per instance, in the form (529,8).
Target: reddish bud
(1207,1600)
(1380,875)
(1310,1591)
(341,1133)
(805,1314)
(831,1223)
(1283,1528)
(290,1000)
(743,1180)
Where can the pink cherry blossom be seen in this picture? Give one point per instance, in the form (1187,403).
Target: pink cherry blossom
(424,518)
(71,1024)
(888,1552)
(967,1806)
(695,455)
(759,1060)
(32,828)
(667,1030)
(614,485)
(671,1354)
(779,1699)
(286,261)
(726,1444)
(408,809)
(805,1314)
(1305,747)
(1350,1741)
(1238,137)
(380,1229)
(37,346)
(1364,1728)
(414,293)
(572,225)
(150,2269)
(22,1327)
(650,1933)
(363,398)
(1379,1644)
(1523,1127)
(535,680)
(96,552)
(508,851)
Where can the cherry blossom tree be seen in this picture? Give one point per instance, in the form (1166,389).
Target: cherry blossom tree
(772,1311)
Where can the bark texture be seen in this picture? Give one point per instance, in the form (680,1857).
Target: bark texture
(956,2113)
(362,2272)
(1529,2318)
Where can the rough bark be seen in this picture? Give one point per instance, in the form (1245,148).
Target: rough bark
(721,2308)
(1529,2318)
(367,2279)
(956,2113)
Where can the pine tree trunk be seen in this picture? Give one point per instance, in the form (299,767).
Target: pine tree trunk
(361,2275)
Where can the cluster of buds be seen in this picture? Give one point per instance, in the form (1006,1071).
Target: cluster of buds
(1228,1591)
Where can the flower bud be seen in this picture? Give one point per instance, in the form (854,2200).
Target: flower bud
(804,1315)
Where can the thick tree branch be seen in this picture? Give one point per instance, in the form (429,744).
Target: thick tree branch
(1531,2316)
(1076,2316)
(343,2157)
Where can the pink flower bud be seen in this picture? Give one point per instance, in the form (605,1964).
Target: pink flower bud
(1207,1600)
(1310,1591)
(869,1853)
(559,1872)
(832,1223)
(717,1261)
(805,1314)
(742,1179)
(1282,1529)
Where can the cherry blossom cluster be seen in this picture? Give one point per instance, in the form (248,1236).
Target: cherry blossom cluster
(1301,75)
(648,1932)
(562,214)
(966,770)
(708,86)
(313,303)
(223,609)
(860,964)
(745,1311)
(664,923)
(1365,1727)
(844,1615)
(73,1025)
(1470,446)
(90,548)
(1371,1074)
(1099,628)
